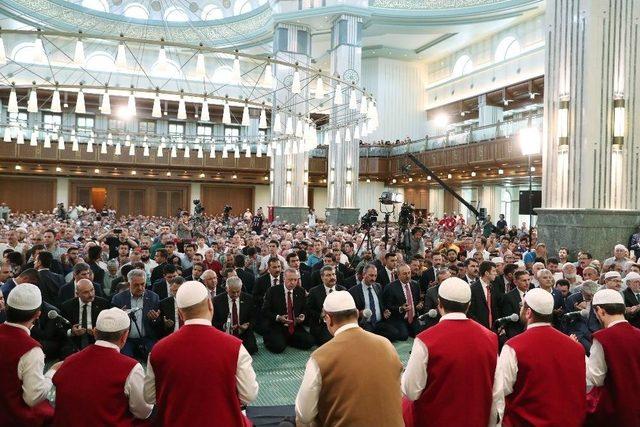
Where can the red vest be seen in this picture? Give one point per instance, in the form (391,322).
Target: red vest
(14,343)
(460,372)
(195,372)
(618,404)
(550,388)
(90,389)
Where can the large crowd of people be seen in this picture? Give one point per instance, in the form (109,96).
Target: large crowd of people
(501,325)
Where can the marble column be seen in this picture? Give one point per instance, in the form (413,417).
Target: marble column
(62,191)
(344,156)
(290,163)
(591,139)
(488,114)
(195,191)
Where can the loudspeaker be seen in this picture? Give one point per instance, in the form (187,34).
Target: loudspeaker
(525,207)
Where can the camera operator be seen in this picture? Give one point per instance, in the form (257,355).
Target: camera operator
(416,243)
(61,212)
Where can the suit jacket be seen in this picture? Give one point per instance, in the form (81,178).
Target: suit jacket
(304,267)
(68,291)
(358,294)
(56,267)
(246,310)
(479,310)
(167,309)
(427,277)
(499,285)
(383,277)
(315,300)
(50,284)
(7,287)
(350,282)
(431,303)
(275,304)
(98,273)
(157,272)
(305,279)
(393,296)
(160,288)
(630,300)
(511,304)
(248,279)
(45,329)
(150,301)
(263,283)
(316,279)
(71,311)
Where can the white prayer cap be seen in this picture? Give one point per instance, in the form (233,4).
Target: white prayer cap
(455,289)
(611,274)
(21,230)
(191,293)
(112,320)
(539,300)
(604,296)
(632,275)
(497,260)
(338,301)
(520,264)
(619,246)
(25,297)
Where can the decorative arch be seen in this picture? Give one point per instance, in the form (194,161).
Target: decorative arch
(99,5)
(101,61)
(242,6)
(176,14)
(23,52)
(212,12)
(222,74)
(463,66)
(136,11)
(169,69)
(507,48)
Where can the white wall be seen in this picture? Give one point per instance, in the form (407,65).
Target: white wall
(62,191)
(397,87)
(368,195)
(320,201)
(261,197)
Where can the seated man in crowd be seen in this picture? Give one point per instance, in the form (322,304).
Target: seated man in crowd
(316,297)
(402,298)
(233,313)
(169,320)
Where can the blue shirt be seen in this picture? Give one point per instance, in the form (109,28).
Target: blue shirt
(365,290)
(312,259)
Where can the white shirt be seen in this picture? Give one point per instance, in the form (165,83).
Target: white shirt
(414,378)
(133,387)
(391,275)
(273,280)
(245,376)
(309,392)
(596,364)
(485,254)
(265,260)
(484,289)
(35,385)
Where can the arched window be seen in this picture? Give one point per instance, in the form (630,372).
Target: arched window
(23,52)
(462,66)
(242,6)
(99,5)
(222,74)
(507,48)
(176,14)
(137,11)
(168,69)
(101,61)
(211,12)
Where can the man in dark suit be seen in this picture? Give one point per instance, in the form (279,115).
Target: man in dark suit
(161,286)
(233,313)
(283,313)
(161,259)
(82,311)
(80,271)
(499,284)
(93,256)
(30,275)
(402,298)
(472,270)
(315,300)
(49,282)
(273,277)
(56,266)
(585,323)
(143,308)
(247,276)
(431,298)
(507,279)
(387,273)
(328,260)
(48,332)
(373,317)
(512,303)
(485,302)
(428,277)
(631,297)
(294,262)
(169,320)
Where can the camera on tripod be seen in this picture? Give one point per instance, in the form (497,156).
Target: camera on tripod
(227,209)
(198,208)
(368,219)
(405,217)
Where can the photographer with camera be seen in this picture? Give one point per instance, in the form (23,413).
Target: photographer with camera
(416,244)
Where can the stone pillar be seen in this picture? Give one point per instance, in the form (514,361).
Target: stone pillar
(344,158)
(195,195)
(289,166)
(62,191)
(488,114)
(591,139)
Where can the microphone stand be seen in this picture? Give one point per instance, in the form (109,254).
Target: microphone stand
(142,347)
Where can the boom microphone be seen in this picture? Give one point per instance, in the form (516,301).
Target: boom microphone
(52,314)
(573,314)
(433,313)
(511,318)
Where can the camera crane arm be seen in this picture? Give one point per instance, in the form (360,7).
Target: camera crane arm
(430,173)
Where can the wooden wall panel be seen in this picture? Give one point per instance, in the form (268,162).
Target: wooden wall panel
(28,194)
(215,197)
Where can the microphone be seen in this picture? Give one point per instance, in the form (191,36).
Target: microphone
(511,318)
(573,314)
(52,314)
(132,311)
(366,313)
(433,313)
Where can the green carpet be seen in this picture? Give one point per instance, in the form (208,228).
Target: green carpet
(280,375)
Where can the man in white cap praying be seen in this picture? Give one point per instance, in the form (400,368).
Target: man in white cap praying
(23,386)
(631,297)
(100,370)
(198,363)
(540,370)
(613,367)
(353,379)
(452,366)
(612,280)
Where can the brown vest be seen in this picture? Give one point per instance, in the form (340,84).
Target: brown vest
(360,381)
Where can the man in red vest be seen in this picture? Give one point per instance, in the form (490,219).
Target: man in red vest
(614,363)
(98,385)
(540,370)
(199,363)
(23,386)
(452,366)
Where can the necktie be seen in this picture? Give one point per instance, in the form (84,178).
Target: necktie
(84,339)
(330,290)
(234,315)
(489,306)
(275,282)
(410,313)
(638,297)
(393,277)
(372,307)
(290,312)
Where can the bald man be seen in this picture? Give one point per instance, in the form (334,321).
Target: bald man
(402,298)
(82,311)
